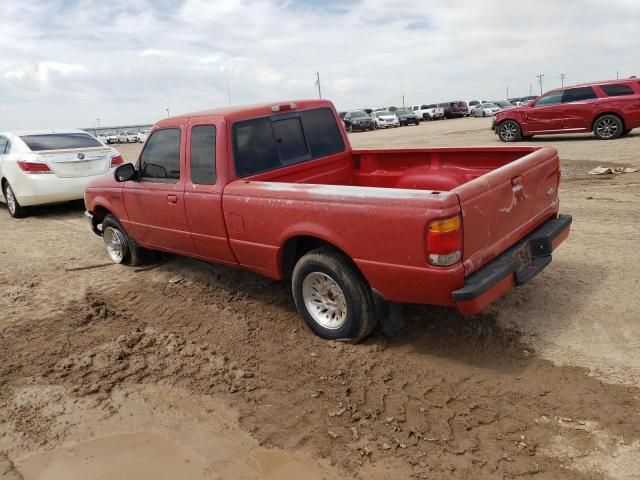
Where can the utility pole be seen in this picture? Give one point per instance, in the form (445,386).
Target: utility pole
(95,131)
(617,74)
(530,90)
(403,101)
(167,109)
(507,93)
(226,81)
(318,84)
(540,77)
(562,77)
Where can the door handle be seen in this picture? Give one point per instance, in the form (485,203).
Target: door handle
(172,199)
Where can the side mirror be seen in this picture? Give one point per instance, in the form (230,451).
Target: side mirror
(125,172)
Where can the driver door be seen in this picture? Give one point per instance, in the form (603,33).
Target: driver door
(155,201)
(545,115)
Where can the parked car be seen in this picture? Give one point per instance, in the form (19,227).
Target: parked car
(112,138)
(485,110)
(278,190)
(503,104)
(385,119)
(358,120)
(127,137)
(50,166)
(142,136)
(406,117)
(609,109)
(428,112)
(454,109)
(103,138)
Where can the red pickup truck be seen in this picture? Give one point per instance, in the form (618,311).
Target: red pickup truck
(278,190)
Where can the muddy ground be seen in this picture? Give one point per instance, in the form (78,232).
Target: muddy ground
(190,370)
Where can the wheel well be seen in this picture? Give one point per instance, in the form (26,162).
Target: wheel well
(608,113)
(296,247)
(99,212)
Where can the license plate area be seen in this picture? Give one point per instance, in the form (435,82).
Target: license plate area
(523,257)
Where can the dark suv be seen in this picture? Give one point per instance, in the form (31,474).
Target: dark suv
(609,109)
(358,120)
(455,109)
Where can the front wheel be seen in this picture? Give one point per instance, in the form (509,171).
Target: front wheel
(332,296)
(15,209)
(120,247)
(509,131)
(607,127)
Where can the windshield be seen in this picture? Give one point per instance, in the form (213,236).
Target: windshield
(383,112)
(402,111)
(504,104)
(358,114)
(489,105)
(59,141)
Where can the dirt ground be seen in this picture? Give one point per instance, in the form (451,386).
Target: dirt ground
(187,370)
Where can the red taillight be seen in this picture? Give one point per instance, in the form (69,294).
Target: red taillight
(33,167)
(444,241)
(117,160)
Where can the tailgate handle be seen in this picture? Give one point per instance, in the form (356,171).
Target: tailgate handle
(517,187)
(172,199)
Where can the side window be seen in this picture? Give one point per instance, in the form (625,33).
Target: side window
(203,155)
(3,145)
(617,90)
(290,140)
(550,99)
(160,159)
(578,94)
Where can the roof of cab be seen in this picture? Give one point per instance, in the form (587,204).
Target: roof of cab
(244,112)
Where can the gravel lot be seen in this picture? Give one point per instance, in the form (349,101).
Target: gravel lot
(190,370)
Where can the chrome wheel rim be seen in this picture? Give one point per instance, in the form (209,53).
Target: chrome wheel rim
(508,130)
(11,200)
(324,300)
(607,128)
(115,243)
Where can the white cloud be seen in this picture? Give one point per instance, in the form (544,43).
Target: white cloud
(126,60)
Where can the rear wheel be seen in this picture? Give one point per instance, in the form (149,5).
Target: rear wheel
(15,209)
(607,127)
(120,247)
(332,296)
(509,131)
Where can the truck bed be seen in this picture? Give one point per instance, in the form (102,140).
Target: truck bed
(504,193)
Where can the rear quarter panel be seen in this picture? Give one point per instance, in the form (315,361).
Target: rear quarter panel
(382,230)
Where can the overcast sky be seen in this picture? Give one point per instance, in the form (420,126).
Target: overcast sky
(65,63)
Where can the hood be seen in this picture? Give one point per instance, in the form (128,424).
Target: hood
(387,117)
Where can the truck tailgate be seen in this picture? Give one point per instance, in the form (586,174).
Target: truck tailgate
(502,206)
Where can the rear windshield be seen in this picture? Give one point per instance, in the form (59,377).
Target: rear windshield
(59,141)
(267,143)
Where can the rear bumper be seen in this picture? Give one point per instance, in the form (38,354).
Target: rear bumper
(515,267)
(49,188)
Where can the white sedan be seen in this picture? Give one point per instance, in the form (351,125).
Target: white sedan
(385,119)
(50,166)
(127,137)
(485,110)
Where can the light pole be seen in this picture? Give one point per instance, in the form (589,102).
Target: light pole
(507,93)
(167,109)
(540,77)
(318,84)
(402,101)
(562,77)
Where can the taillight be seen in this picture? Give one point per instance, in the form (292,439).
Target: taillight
(116,160)
(33,167)
(444,241)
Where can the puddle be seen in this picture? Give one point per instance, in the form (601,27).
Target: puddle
(159,435)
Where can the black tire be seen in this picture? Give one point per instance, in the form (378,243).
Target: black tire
(625,132)
(484,114)
(608,127)
(509,131)
(15,209)
(132,253)
(360,312)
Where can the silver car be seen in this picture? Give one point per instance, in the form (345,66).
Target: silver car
(485,110)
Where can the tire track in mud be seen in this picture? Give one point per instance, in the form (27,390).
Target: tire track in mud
(448,398)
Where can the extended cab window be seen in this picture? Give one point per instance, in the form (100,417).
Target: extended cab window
(267,143)
(578,94)
(160,159)
(617,90)
(203,155)
(550,99)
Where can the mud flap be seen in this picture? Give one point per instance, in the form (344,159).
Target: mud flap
(389,315)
